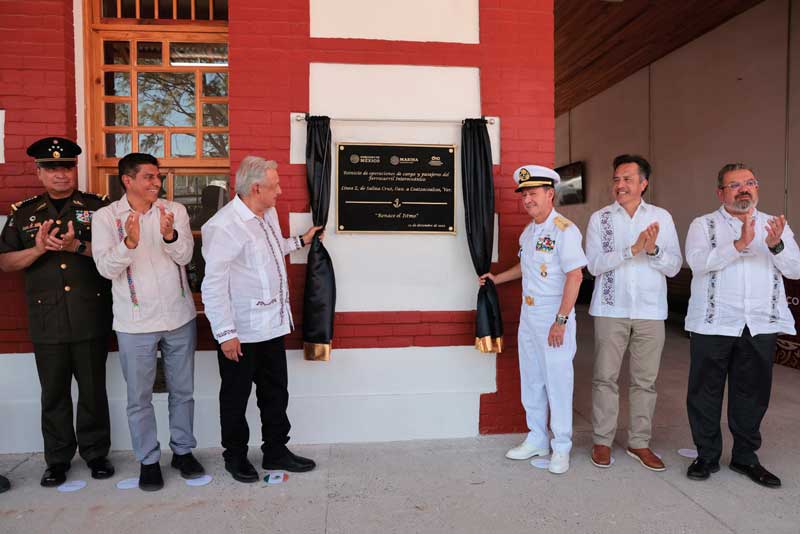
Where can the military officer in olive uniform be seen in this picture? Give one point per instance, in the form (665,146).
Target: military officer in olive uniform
(551,259)
(69,308)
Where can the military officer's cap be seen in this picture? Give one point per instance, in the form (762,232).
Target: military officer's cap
(54,152)
(535,176)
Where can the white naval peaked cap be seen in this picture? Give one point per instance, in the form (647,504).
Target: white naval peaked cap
(535,176)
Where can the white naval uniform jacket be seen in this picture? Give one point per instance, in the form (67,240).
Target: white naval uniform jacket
(732,289)
(148,283)
(547,252)
(626,286)
(245,288)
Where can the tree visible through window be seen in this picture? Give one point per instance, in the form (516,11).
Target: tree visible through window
(162,88)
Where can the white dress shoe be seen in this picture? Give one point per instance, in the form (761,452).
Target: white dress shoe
(524,450)
(559,463)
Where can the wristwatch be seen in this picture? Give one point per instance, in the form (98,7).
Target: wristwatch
(561,319)
(655,251)
(777,249)
(81,248)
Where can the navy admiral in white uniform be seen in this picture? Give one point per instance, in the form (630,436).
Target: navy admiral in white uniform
(550,265)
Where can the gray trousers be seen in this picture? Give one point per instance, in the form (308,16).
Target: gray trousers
(137,355)
(644,339)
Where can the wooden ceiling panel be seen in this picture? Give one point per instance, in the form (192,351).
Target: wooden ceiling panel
(599,43)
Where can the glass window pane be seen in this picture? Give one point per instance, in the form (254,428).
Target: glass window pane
(129,9)
(183,145)
(185,9)
(201,11)
(117,84)
(202,195)
(115,190)
(118,114)
(110,9)
(188,54)
(147,9)
(215,84)
(148,53)
(166,99)
(152,143)
(165,9)
(220,9)
(117,145)
(215,114)
(215,145)
(116,53)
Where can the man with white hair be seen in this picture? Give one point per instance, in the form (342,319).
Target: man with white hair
(246,299)
(550,263)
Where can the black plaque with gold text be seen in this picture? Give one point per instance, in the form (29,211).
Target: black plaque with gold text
(395,188)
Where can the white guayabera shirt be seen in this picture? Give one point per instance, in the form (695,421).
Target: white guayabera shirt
(732,289)
(245,288)
(149,286)
(627,286)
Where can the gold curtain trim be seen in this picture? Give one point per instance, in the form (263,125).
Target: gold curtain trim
(317,352)
(489,344)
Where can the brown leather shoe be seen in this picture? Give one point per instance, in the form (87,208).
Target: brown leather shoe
(601,456)
(647,458)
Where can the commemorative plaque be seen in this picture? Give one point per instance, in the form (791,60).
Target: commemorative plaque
(395,188)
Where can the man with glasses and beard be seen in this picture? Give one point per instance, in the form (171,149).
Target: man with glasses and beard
(737,308)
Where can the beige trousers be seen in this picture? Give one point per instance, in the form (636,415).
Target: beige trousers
(644,339)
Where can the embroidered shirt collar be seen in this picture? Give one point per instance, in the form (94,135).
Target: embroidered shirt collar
(123,206)
(644,206)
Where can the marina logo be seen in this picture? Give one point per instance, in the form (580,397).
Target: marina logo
(394,160)
(435,161)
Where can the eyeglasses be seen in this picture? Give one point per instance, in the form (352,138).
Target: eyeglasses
(735,186)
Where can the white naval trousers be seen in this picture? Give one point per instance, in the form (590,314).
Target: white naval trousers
(546,376)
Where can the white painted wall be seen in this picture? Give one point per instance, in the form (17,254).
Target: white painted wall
(454,21)
(383,272)
(360,395)
(718,99)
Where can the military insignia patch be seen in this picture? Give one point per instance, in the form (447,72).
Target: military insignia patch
(545,244)
(83,216)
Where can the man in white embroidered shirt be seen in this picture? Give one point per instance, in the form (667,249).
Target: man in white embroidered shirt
(737,308)
(246,299)
(631,247)
(142,244)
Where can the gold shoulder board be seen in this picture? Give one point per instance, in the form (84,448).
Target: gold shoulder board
(562,223)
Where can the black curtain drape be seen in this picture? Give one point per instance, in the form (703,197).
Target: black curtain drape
(478,187)
(319,300)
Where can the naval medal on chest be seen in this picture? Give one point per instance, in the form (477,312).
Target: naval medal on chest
(543,270)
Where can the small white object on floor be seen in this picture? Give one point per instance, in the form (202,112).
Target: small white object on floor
(688,453)
(541,463)
(201,481)
(128,483)
(72,485)
(276,477)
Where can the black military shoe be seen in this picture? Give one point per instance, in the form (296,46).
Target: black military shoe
(5,485)
(757,474)
(290,462)
(101,468)
(55,475)
(150,478)
(702,469)
(188,465)
(241,469)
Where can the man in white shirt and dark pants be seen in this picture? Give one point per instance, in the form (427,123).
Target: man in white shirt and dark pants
(142,244)
(737,308)
(631,247)
(246,299)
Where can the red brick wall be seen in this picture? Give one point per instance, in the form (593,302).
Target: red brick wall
(37,91)
(270,52)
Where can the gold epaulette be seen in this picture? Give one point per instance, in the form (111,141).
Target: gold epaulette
(104,198)
(16,205)
(562,223)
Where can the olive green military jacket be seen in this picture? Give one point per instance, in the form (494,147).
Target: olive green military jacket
(68,300)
